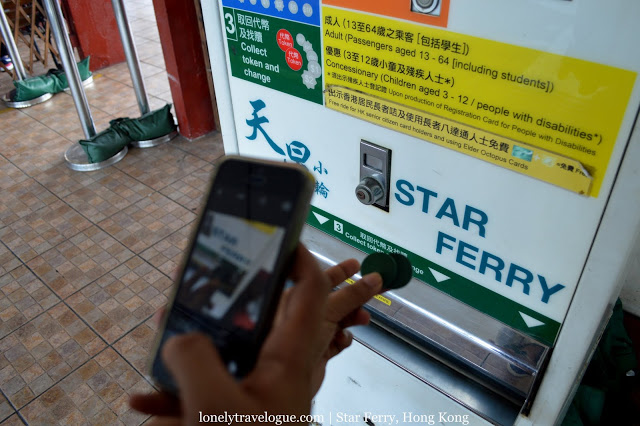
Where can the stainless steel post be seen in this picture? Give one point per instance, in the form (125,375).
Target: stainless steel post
(21,74)
(70,67)
(131,54)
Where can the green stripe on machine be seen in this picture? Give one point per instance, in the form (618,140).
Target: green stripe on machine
(493,304)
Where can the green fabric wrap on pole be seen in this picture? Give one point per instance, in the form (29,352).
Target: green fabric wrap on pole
(149,126)
(121,131)
(105,144)
(54,81)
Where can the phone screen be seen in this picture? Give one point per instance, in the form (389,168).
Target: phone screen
(230,264)
(228,276)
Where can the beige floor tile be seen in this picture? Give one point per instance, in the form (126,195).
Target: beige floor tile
(60,115)
(208,147)
(19,139)
(107,195)
(12,421)
(23,199)
(145,21)
(13,119)
(121,72)
(22,297)
(10,175)
(110,96)
(167,255)
(146,222)
(153,37)
(160,166)
(43,229)
(149,32)
(62,181)
(39,354)
(189,190)
(61,105)
(6,410)
(157,83)
(140,17)
(79,260)
(134,110)
(42,156)
(137,345)
(147,50)
(165,97)
(96,393)
(122,299)
(155,58)
(8,261)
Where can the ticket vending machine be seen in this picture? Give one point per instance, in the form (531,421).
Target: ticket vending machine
(494,143)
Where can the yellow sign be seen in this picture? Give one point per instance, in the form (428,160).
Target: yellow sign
(478,143)
(553,118)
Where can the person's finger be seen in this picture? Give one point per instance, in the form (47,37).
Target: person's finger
(350,297)
(288,347)
(156,404)
(357,317)
(343,270)
(307,298)
(337,274)
(304,265)
(341,341)
(194,365)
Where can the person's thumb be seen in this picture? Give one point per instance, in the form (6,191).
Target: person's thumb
(351,297)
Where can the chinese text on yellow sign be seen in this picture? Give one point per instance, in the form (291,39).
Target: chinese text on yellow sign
(544,115)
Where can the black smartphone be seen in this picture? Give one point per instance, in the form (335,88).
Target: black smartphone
(236,265)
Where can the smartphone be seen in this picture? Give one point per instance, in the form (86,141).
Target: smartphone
(237,262)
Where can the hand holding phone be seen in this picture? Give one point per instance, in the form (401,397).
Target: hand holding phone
(238,259)
(308,330)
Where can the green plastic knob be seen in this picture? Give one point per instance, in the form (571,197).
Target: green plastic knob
(394,268)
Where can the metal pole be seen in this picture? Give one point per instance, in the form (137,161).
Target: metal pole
(70,67)
(21,74)
(131,55)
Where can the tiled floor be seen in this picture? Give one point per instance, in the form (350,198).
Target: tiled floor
(86,258)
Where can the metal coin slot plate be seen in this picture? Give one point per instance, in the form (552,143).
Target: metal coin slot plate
(375,171)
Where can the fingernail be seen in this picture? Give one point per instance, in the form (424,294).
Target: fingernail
(372,280)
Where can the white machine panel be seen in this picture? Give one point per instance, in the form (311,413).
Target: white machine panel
(503,126)
(504,143)
(352,395)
